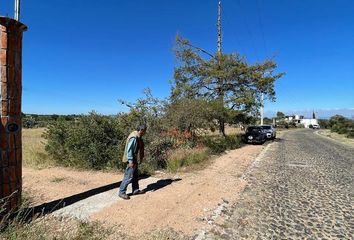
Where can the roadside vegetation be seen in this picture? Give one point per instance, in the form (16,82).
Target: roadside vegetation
(209,92)
(339,124)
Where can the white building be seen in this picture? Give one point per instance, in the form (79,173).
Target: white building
(308,122)
(298,119)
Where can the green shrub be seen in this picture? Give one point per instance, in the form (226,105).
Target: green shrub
(350,133)
(233,141)
(216,145)
(29,123)
(94,142)
(57,135)
(341,125)
(324,123)
(97,142)
(157,152)
(146,168)
(220,144)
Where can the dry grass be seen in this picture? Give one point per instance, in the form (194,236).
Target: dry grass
(336,136)
(33,151)
(186,157)
(229,130)
(60,228)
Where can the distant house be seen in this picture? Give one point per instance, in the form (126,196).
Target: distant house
(308,122)
(298,119)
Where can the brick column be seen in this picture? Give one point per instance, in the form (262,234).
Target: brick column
(10,110)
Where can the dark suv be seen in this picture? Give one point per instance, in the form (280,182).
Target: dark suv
(254,134)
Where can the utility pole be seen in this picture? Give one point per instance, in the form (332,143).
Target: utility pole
(221,120)
(219,27)
(262,109)
(17,10)
(262,103)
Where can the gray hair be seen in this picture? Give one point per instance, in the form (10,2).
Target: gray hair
(141,127)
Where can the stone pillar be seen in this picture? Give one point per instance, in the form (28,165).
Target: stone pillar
(10,110)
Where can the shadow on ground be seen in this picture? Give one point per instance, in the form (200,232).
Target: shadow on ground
(46,208)
(160,184)
(279,140)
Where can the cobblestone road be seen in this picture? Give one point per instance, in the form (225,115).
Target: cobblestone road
(302,189)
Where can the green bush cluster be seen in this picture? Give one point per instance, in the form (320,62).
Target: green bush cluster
(97,142)
(220,144)
(94,142)
(324,123)
(157,152)
(342,125)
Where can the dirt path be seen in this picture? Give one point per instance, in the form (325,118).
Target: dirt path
(188,205)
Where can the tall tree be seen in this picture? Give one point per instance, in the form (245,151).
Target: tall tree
(227,81)
(280,115)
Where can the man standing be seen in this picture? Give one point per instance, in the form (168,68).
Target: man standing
(134,148)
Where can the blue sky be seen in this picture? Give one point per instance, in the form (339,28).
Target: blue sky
(83,55)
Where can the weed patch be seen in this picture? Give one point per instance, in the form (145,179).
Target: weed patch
(186,157)
(57,179)
(218,144)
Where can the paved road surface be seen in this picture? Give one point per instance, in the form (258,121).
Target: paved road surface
(302,189)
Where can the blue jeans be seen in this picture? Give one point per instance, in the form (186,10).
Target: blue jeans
(131,175)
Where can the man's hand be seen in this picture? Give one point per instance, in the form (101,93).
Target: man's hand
(131,164)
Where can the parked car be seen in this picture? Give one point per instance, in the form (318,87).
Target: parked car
(254,134)
(270,131)
(316,126)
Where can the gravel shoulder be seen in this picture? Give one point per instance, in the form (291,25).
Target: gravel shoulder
(190,202)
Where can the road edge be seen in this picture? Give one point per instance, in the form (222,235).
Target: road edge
(332,139)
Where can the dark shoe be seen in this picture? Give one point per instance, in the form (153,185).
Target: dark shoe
(124,196)
(137,192)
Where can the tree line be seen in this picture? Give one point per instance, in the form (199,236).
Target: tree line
(43,120)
